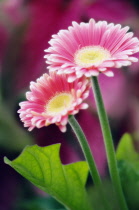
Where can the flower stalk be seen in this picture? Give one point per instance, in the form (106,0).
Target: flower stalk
(89,158)
(86,149)
(108,141)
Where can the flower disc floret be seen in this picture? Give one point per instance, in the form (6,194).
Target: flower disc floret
(88,56)
(60,102)
(52,99)
(91,48)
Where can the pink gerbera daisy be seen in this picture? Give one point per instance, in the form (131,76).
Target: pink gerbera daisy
(91,48)
(52,99)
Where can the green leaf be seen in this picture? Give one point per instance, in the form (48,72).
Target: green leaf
(126,150)
(128,165)
(42,166)
(130,183)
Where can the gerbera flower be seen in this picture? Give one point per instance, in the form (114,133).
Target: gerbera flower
(52,99)
(91,48)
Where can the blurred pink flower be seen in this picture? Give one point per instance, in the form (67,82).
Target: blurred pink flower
(116,11)
(44,18)
(91,48)
(12,12)
(52,99)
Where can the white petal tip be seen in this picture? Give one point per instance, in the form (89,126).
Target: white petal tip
(63,129)
(109,73)
(84,106)
(71,79)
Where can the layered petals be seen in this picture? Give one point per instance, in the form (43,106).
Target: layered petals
(52,99)
(91,48)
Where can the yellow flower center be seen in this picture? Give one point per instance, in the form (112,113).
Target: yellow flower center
(59,103)
(91,55)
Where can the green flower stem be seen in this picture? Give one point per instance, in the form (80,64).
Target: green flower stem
(86,149)
(89,158)
(108,144)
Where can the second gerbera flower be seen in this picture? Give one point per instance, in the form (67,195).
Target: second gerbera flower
(90,48)
(52,99)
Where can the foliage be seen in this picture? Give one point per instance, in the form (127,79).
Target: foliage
(128,164)
(42,166)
